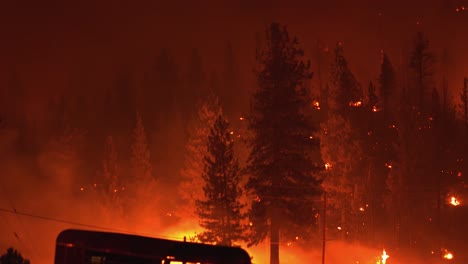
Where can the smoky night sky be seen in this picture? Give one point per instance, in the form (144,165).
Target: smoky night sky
(80,51)
(52,43)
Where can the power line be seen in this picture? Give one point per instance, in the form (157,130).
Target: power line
(80,224)
(28,246)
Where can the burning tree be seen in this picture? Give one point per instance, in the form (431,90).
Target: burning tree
(282,173)
(220,211)
(342,146)
(191,187)
(345,90)
(372,98)
(341,149)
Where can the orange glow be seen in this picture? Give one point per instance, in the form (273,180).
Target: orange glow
(355,104)
(448,255)
(316,104)
(374,109)
(384,257)
(454,201)
(328,166)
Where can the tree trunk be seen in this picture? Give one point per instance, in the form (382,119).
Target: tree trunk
(274,240)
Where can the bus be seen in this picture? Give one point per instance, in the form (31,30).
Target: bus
(75,246)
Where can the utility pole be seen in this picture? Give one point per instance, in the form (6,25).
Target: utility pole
(324,226)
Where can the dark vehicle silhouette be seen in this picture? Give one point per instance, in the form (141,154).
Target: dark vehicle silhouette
(95,247)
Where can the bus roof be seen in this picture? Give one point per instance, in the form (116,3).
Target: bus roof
(141,246)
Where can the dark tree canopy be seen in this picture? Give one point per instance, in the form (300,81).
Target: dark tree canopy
(422,63)
(282,172)
(387,83)
(372,98)
(220,211)
(12,256)
(345,90)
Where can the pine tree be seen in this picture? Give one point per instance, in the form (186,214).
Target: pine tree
(387,84)
(191,187)
(140,188)
(345,90)
(140,158)
(220,212)
(422,62)
(111,187)
(340,148)
(372,97)
(282,172)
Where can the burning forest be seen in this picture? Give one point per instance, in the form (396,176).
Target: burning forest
(304,134)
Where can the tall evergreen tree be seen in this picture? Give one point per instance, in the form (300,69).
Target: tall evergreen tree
(111,185)
(340,148)
(220,211)
(422,63)
(387,84)
(141,201)
(140,158)
(282,172)
(345,90)
(191,187)
(373,99)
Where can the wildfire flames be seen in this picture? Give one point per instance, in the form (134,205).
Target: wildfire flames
(454,201)
(447,254)
(384,257)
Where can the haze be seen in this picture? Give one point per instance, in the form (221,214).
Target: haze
(80,51)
